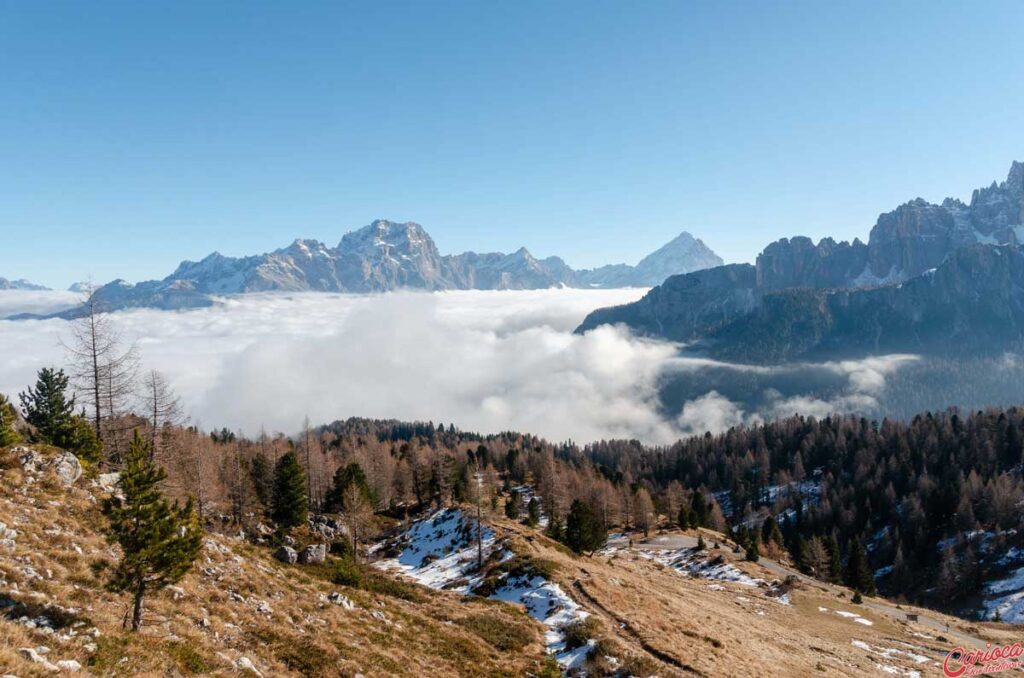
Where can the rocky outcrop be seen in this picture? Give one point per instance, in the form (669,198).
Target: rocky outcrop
(64,465)
(314,554)
(286,554)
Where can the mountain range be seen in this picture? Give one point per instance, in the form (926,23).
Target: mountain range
(940,279)
(21,284)
(385,256)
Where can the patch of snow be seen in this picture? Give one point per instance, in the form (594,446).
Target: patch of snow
(440,552)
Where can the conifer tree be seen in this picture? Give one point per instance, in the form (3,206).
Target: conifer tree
(159,541)
(698,510)
(752,553)
(835,566)
(8,436)
(345,477)
(48,408)
(583,531)
(262,479)
(555,529)
(684,517)
(858,575)
(533,512)
(290,505)
(512,505)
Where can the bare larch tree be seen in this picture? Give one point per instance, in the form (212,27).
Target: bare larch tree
(102,369)
(162,407)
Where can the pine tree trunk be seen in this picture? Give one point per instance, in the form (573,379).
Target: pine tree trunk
(137,608)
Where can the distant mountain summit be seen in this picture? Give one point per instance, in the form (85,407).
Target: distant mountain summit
(383,256)
(942,278)
(20,284)
(682,254)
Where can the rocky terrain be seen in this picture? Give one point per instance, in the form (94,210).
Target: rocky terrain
(934,279)
(387,256)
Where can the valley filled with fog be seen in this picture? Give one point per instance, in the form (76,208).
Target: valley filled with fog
(485,361)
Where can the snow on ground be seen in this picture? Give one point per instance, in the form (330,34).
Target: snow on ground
(441,552)
(688,561)
(1010,606)
(852,616)
(892,654)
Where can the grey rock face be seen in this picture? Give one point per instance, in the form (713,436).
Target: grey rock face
(286,554)
(932,279)
(915,237)
(313,554)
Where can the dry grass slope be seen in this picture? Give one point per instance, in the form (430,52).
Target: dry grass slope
(238,604)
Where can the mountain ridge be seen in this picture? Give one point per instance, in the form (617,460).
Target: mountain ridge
(386,256)
(828,298)
(22,284)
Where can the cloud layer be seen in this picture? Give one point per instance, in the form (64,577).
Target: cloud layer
(486,361)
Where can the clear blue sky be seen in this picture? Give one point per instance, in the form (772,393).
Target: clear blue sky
(137,134)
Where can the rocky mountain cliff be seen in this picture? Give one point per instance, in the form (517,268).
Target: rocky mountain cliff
(932,278)
(387,256)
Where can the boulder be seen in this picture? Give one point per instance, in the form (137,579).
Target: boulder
(245,664)
(313,554)
(341,600)
(67,467)
(109,482)
(286,554)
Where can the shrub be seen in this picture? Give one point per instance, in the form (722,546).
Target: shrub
(579,632)
(346,572)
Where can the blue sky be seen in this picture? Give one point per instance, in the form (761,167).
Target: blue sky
(134,135)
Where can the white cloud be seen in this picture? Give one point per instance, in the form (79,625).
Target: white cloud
(486,361)
(711,412)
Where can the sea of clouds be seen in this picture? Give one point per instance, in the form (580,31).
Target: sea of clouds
(485,361)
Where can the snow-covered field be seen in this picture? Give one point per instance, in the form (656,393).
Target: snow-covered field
(441,552)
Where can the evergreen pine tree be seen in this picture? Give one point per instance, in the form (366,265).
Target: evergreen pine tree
(80,438)
(8,436)
(858,574)
(48,408)
(262,479)
(698,510)
(684,517)
(835,564)
(700,543)
(512,505)
(344,478)
(533,512)
(290,505)
(752,553)
(555,530)
(159,541)
(583,530)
